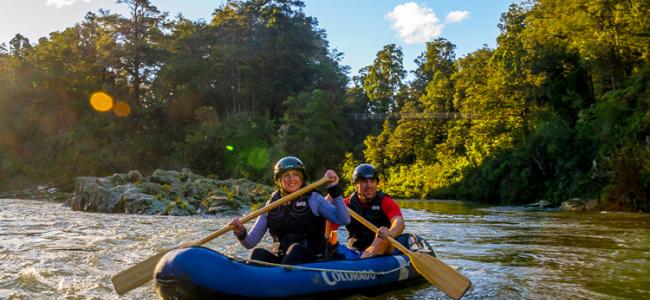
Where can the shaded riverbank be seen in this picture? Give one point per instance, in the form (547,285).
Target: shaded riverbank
(49,251)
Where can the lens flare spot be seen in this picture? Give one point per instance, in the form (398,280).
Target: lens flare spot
(258,158)
(121,109)
(101,102)
(230,148)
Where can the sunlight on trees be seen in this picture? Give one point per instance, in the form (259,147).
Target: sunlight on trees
(559,109)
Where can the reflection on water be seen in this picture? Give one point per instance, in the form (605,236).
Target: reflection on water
(448,207)
(48,251)
(513,252)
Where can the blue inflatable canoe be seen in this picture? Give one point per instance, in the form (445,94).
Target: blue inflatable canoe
(201,273)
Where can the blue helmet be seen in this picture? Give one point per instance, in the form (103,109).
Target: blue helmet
(364,171)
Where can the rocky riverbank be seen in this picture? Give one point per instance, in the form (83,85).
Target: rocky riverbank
(48,191)
(573,204)
(184,193)
(164,192)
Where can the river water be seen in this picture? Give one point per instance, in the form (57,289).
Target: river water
(48,251)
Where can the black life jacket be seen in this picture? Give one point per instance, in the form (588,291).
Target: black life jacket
(359,236)
(295,223)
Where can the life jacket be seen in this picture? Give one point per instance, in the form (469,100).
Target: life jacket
(360,237)
(295,223)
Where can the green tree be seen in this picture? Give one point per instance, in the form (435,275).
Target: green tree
(382,80)
(610,36)
(432,77)
(311,130)
(138,36)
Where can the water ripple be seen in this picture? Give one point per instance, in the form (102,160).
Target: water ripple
(50,252)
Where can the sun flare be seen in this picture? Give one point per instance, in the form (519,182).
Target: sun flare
(101,102)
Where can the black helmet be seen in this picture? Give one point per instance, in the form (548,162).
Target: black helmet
(288,163)
(364,171)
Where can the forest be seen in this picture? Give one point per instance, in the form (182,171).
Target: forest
(558,109)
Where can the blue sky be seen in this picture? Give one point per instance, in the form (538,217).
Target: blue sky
(358,28)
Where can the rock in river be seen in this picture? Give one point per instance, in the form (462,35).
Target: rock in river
(164,193)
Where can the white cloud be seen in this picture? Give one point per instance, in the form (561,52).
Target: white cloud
(457,16)
(414,23)
(62,3)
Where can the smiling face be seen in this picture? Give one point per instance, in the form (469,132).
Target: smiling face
(366,189)
(291,181)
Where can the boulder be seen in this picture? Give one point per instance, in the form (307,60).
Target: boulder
(118,179)
(540,204)
(163,177)
(577,204)
(134,202)
(218,201)
(180,207)
(135,176)
(89,195)
(164,193)
(591,204)
(48,191)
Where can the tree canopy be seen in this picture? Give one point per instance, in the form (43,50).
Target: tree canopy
(558,109)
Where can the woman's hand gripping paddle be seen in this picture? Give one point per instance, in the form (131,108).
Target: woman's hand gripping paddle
(142,272)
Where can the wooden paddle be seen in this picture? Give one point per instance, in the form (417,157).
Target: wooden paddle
(142,272)
(444,277)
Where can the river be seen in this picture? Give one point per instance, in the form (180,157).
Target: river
(48,251)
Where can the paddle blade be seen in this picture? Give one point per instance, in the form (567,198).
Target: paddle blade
(136,275)
(446,278)
(142,272)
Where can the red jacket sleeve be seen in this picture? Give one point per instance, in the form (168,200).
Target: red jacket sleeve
(390,208)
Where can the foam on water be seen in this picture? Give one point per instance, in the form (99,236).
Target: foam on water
(48,251)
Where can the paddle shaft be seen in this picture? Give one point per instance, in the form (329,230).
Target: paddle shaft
(447,279)
(142,272)
(265,209)
(374,229)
